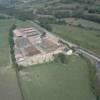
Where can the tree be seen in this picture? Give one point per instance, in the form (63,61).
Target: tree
(11,43)
(46,26)
(43,34)
(62,57)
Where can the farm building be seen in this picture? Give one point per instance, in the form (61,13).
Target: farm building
(33,48)
(22,42)
(22,32)
(18,55)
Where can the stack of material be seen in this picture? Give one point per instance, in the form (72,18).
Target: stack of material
(30,51)
(48,45)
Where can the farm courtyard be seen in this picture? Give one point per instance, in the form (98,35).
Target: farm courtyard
(56,81)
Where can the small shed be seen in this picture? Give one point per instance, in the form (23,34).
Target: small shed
(68,51)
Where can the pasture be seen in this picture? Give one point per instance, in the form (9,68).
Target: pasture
(89,39)
(56,81)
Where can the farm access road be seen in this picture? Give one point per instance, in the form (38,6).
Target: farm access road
(79,49)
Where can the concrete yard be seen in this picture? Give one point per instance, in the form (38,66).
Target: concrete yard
(32,47)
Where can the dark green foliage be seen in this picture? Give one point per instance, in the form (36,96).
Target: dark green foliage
(46,26)
(66,1)
(62,14)
(42,11)
(11,43)
(20,67)
(62,58)
(60,21)
(20,14)
(91,11)
(4,17)
(52,20)
(91,17)
(25,15)
(47,19)
(43,34)
(97,98)
(80,1)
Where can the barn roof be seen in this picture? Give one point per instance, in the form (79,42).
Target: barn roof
(21,31)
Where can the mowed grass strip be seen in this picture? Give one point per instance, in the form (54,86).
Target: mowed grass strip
(86,38)
(5,25)
(55,81)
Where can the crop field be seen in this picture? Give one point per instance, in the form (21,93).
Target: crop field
(56,81)
(89,39)
(83,22)
(4,45)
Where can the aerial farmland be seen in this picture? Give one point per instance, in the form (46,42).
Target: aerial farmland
(49,50)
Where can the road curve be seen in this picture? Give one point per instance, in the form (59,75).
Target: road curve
(79,49)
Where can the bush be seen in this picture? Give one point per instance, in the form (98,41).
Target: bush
(11,43)
(60,21)
(91,11)
(90,17)
(61,58)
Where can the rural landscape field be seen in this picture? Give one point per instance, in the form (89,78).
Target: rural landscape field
(8,79)
(83,37)
(57,81)
(49,50)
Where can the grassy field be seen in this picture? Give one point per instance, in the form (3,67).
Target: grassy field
(55,81)
(86,38)
(4,45)
(9,89)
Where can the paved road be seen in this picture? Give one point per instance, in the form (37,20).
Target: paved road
(89,54)
(79,49)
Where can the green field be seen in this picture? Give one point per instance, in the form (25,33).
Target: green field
(55,81)
(86,38)
(83,22)
(4,45)
(9,89)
